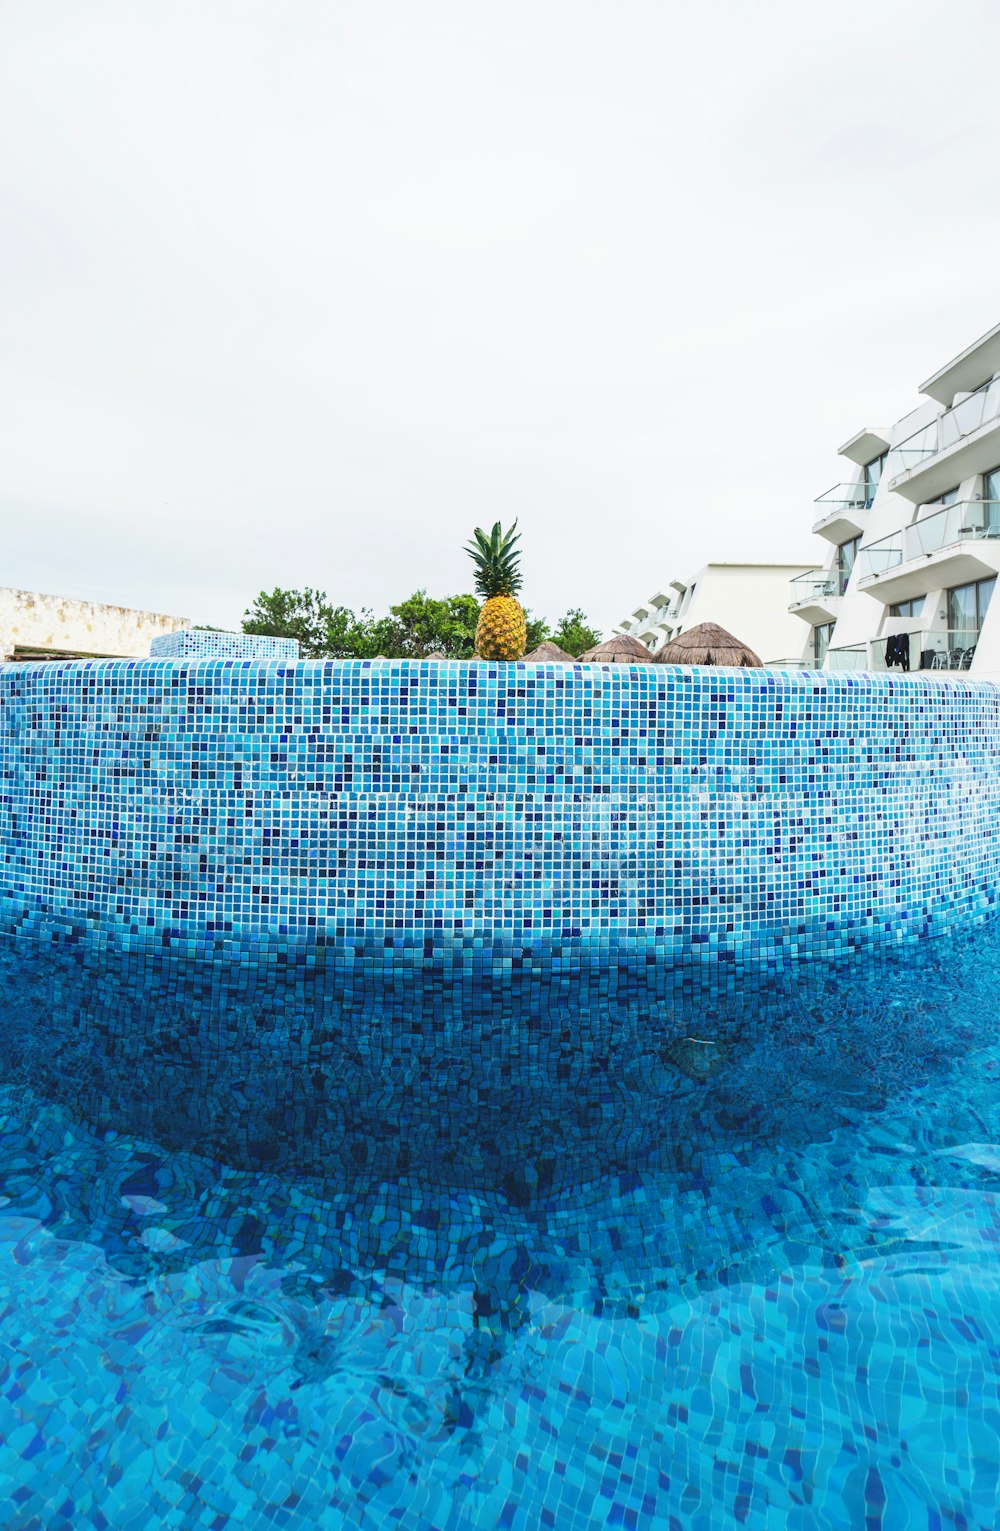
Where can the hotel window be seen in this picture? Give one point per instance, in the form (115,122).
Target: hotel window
(872,475)
(991,484)
(821,641)
(948,498)
(847,552)
(907,608)
(967,608)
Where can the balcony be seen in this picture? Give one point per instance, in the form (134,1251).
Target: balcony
(879,557)
(969,370)
(962,441)
(952,546)
(854,657)
(956,649)
(877,647)
(815,595)
(949,652)
(975,520)
(842,511)
(653,634)
(866,444)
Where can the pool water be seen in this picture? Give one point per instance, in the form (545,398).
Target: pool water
(712,1249)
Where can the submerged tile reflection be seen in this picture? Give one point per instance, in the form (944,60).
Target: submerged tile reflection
(544,1254)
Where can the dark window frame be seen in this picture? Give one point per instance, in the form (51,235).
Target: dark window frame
(870,487)
(844,575)
(821,627)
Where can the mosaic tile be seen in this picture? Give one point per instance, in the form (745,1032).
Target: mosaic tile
(423,808)
(461,1096)
(618,1294)
(212,643)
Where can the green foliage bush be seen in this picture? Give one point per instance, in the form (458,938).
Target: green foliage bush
(418,626)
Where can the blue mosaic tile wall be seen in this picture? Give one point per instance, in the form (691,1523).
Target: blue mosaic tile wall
(209,643)
(420,809)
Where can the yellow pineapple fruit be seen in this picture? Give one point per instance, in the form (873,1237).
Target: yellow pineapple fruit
(500,632)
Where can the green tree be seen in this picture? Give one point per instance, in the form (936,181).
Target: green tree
(574,633)
(420,625)
(426,625)
(301,614)
(538,631)
(423,625)
(323,631)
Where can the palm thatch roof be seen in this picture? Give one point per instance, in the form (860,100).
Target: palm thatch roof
(619,650)
(549,651)
(708,644)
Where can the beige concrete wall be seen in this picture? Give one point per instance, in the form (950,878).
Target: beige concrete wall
(55,625)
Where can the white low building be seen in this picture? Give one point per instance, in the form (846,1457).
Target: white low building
(749,600)
(914,534)
(34,626)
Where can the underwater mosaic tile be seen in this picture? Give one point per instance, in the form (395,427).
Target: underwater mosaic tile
(210,643)
(411,810)
(538,1256)
(346,1180)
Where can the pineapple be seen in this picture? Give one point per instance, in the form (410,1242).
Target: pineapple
(500,632)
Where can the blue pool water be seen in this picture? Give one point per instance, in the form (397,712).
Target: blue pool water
(717,1249)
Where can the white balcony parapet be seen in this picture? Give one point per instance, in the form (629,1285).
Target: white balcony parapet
(957,525)
(816,595)
(865,445)
(843,511)
(947,430)
(963,521)
(968,370)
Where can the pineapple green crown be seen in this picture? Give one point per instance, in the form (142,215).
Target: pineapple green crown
(496,560)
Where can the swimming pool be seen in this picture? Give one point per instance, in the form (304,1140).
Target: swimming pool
(458,1096)
(697,1255)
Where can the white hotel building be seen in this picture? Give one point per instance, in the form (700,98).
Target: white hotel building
(914,535)
(913,549)
(750,600)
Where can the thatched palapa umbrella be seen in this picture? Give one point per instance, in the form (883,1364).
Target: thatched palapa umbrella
(708,644)
(549,651)
(620,650)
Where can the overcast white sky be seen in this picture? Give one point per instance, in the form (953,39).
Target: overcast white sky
(299,292)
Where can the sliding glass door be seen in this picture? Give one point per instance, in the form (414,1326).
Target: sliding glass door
(967,608)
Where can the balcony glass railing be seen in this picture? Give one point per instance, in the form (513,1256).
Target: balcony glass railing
(979,409)
(877,652)
(853,658)
(955,649)
(814,583)
(965,521)
(879,557)
(847,497)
